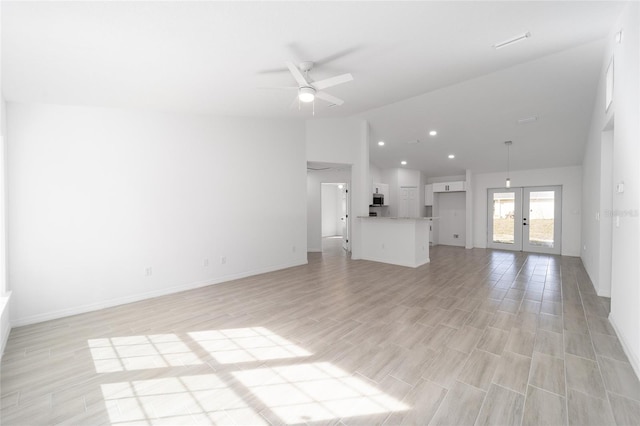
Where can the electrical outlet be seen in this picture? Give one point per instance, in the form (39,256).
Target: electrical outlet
(382,246)
(205,262)
(148,271)
(293,249)
(223,260)
(456,235)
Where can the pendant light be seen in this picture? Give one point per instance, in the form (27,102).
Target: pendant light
(507,183)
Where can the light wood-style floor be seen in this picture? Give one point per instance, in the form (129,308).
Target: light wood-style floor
(475,337)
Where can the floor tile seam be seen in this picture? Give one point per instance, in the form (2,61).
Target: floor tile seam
(597,361)
(448,390)
(620,395)
(526,394)
(566,384)
(507,387)
(582,357)
(484,401)
(551,356)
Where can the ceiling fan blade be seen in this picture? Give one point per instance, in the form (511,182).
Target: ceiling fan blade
(338,55)
(277,87)
(273,71)
(329,98)
(333,81)
(297,74)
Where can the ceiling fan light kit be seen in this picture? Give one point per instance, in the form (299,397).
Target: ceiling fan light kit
(306,94)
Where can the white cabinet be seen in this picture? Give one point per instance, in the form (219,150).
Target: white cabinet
(428,195)
(449,186)
(382,188)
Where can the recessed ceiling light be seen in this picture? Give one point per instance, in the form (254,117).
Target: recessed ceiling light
(528,119)
(381,143)
(512,40)
(451,156)
(433,133)
(404,163)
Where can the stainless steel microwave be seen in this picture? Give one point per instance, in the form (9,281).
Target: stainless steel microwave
(378,199)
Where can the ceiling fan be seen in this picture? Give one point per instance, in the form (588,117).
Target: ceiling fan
(309,90)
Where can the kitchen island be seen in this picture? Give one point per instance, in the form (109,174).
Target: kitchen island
(396,240)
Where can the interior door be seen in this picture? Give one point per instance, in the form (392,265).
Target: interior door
(345,206)
(541,222)
(505,218)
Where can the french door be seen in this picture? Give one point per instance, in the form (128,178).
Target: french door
(525,219)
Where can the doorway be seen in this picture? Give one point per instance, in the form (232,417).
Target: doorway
(335,205)
(525,219)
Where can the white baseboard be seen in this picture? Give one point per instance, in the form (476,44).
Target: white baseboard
(407,264)
(47,316)
(5,306)
(633,359)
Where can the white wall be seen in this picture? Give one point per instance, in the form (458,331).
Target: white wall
(452,214)
(569,177)
(97,195)
(376,174)
(331,201)
(344,141)
(625,247)
(5,294)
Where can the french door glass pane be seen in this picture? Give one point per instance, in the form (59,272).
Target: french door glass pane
(541,218)
(503,217)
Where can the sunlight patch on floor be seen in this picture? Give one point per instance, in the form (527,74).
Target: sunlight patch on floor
(315,392)
(239,345)
(140,353)
(201,399)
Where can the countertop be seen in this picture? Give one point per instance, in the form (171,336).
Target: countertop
(397,218)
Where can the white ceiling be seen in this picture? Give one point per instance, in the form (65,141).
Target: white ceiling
(213,57)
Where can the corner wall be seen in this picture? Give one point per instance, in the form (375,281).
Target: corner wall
(625,238)
(345,141)
(109,206)
(5,294)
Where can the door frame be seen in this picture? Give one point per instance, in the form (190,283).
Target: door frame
(346,239)
(521,231)
(557,224)
(517,219)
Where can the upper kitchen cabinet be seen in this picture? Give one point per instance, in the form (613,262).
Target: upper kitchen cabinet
(449,187)
(428,195)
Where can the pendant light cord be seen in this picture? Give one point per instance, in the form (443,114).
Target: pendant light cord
(508,158)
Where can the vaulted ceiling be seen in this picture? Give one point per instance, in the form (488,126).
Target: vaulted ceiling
(417,66)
